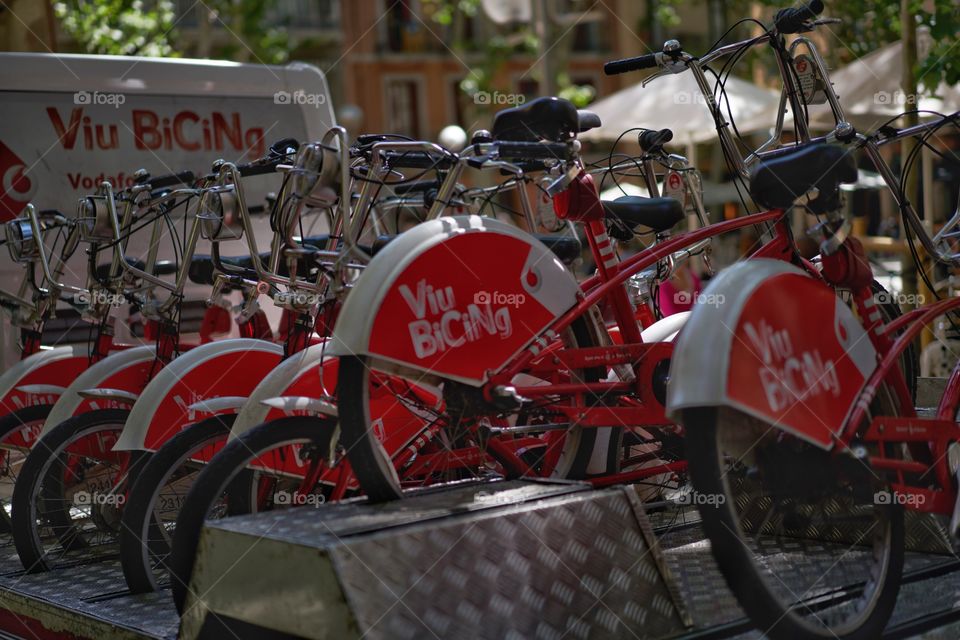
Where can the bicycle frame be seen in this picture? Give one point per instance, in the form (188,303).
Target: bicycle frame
(938,432)
(645,408)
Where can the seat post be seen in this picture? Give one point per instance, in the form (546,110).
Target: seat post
(608,266)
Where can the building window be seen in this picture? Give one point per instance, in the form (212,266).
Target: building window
(458,100)
(587,37)
(404,31)
(403,106)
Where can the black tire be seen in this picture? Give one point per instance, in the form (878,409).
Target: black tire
(738,564)
(11,424)
(227,474)
(145,541)
(40,498)
(370,462)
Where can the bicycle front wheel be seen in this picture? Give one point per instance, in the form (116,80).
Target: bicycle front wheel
(385,419)
(70,494)
(274,465)
(146,528)
(797,532)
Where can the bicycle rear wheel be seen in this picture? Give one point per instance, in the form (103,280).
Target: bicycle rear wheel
(797,532)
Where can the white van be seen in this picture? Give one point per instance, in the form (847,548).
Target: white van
(68,122)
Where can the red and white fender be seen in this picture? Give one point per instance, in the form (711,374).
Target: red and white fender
(456,296)
(106,384)
(41,378)
(226,369)
(767,339)
(304,385)
(307,375)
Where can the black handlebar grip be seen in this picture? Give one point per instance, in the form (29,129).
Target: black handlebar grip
(161,182)
(247,170)
(792,20)
(648,61)
(650,139)
(527,150)
(417,160)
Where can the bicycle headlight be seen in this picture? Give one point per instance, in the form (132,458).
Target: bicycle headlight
(314,166)
(220,217)
(94,217)
(21,242)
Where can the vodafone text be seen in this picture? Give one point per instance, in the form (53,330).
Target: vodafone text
(787,376)
(440,325)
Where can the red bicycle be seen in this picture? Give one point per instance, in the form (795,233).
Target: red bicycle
(802,436)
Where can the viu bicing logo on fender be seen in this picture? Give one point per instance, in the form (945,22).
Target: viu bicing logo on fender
(438,324)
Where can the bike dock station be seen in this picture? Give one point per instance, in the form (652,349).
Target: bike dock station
(539,380)
(549,559)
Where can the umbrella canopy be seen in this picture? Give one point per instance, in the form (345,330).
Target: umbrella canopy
(674,102)
(870,93)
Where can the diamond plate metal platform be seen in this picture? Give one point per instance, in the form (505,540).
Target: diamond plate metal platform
(523,559)
(84,601)
(504,560)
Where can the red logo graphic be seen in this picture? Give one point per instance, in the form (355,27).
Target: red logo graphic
(17,186)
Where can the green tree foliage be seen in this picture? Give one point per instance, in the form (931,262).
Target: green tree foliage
(119,27)
(516,40)
(138,27)
(254,41)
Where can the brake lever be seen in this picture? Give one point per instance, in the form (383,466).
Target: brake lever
(653,77)
(561,183)
(671,67)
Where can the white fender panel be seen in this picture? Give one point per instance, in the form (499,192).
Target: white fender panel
(218,405)
(103,393)
(93,378)
(255,411)
(665,329)
(700,357)
(556,289)
(15,373)
(135,430)
(41,389)
(301,403)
